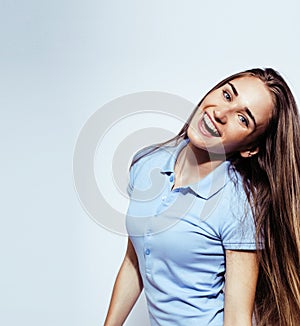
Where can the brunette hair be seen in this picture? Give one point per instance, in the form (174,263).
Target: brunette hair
(271,180)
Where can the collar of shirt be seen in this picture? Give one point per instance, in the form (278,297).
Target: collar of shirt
(206,187)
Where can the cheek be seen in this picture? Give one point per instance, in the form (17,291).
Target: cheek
(237,140)
(234,135)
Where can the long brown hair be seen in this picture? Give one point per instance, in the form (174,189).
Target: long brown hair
(272,183)
(271,180)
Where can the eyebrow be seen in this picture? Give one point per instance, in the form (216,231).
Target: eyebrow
(235,92)
(251,116)
(233,89)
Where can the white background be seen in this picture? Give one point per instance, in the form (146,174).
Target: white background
(60,61)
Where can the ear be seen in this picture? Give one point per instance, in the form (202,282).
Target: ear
(250,152)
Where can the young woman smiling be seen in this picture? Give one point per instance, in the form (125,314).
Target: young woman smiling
(220,239)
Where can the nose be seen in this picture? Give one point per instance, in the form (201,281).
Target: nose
(220,115)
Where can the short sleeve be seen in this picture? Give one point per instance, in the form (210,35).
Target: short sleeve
(238,230)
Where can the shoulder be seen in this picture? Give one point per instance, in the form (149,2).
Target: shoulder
(149,153)
(153,156)
(147,165)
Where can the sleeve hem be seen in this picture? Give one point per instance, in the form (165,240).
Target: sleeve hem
(240,246)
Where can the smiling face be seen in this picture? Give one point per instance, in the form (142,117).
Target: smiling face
(230,118)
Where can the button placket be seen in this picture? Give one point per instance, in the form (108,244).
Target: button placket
(147,257)
(147,246)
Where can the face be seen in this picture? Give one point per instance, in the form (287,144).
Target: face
(231,117)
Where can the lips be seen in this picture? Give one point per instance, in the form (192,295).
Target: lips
(209,126)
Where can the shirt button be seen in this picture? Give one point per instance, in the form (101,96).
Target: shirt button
(171,178)
(147,252)
(164,198)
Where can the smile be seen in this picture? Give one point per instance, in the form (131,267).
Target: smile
(209,126)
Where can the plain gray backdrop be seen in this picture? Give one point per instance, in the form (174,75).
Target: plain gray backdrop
(60,62)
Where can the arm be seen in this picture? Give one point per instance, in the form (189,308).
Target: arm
(127,288)
(240,285)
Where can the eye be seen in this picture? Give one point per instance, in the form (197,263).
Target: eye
(227,96)
(244,120)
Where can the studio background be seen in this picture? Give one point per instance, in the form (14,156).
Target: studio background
(60,62)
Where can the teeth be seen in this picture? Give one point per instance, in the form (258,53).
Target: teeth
(210,125)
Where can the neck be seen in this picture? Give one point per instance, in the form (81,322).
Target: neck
(193,164)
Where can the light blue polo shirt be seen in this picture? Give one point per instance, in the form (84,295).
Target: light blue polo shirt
(180,237)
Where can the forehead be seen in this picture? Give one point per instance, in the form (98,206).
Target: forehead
(252,89)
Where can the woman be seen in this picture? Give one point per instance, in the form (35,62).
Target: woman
(228,202)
